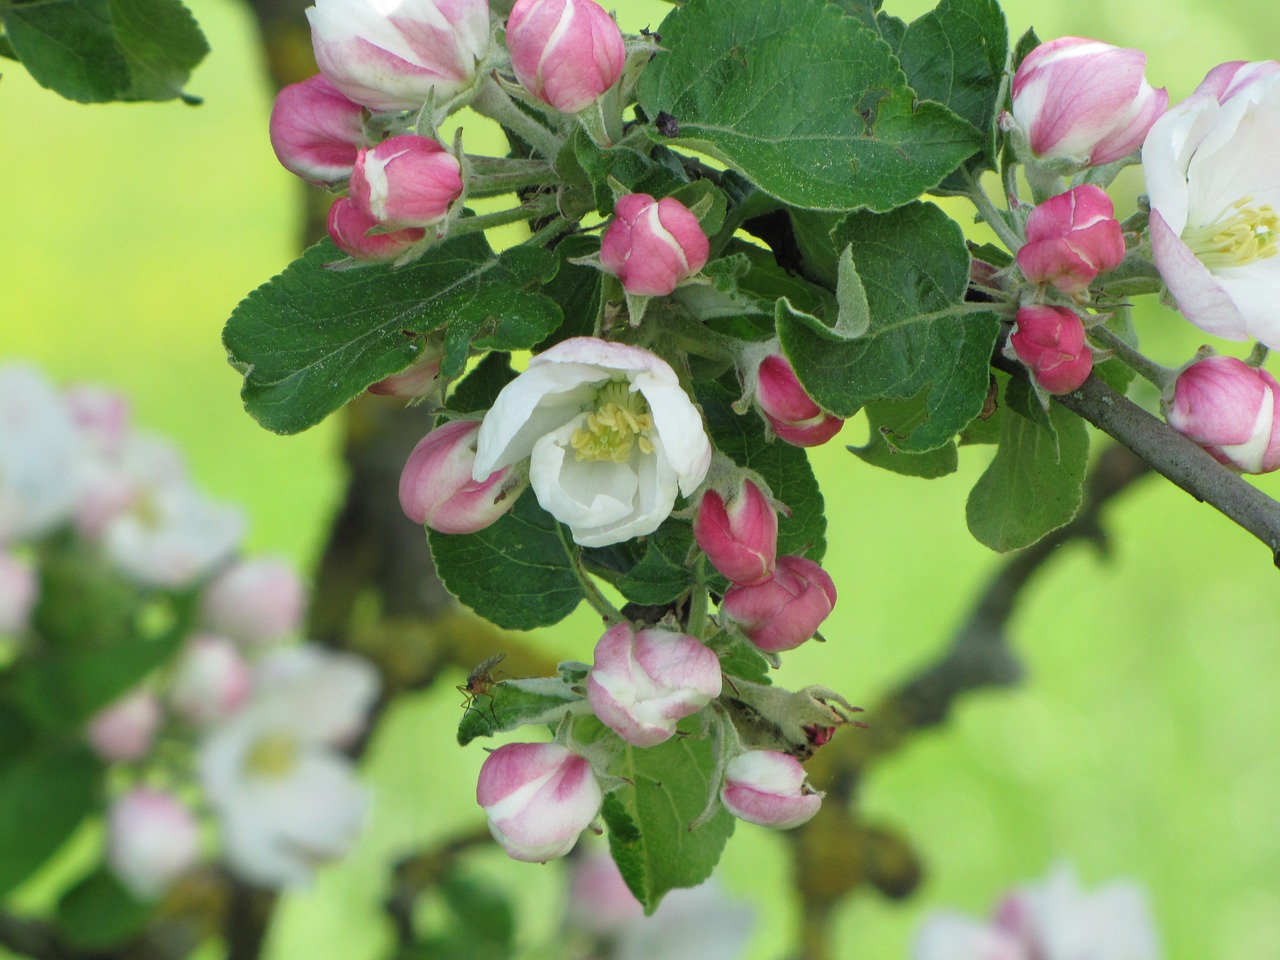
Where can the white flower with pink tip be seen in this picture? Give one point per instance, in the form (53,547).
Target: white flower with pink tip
(611,435)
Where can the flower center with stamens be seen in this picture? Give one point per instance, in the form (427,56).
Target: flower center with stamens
(1241,236)
(620,421)
(274,755)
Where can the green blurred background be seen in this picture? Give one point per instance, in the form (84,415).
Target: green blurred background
(1143,744)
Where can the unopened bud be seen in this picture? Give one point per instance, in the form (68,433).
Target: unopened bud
(152,839)
(436,487)
(1071,238)
(1050,342)
(19,589)
(565,52)
(406,181)
(1232,410)
(349,230)
(125,729)
(416,382)
(315,131)
(255,602)
(211,680)
(739,537)
(768,788)
(651,245)
(791,412)
(784,611)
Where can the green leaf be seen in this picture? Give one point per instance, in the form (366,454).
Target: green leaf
(914,268)
(516,573)
(803,100)
(658,575)
(477,391)
(509,704)
(99,50)
(955,55)
(648,821)
(84,600)
(44,794)
(576,290)
(313,338)
(1035,482)
(784,467)
(99,912)
(892,419)
(6,48)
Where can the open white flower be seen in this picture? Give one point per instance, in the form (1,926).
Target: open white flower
(610,433)
(1214,185)
(40,449)
(285,799)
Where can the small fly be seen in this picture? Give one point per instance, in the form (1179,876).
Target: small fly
(479,682)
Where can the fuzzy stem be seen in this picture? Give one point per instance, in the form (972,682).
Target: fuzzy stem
(502,217)
(991,216)
(599,602)
(1144,366)
(494,102)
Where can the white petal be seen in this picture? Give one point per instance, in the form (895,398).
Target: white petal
(607,356)
(679,425)
(531,406)
(1200,296)
(580,493)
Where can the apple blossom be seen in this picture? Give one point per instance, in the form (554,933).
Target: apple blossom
(1071,238)
(768,788)
(285,798)
(19,590)
(436,485)
(395,54)
(1232,410)
(1211,179)
(152,839)
(1050,342)
(316,131)
(254,602)
(790,411)
(739,537)
(40,448)
(565,52)
(406,181)
(538,797)
(1083,102)
(610,433)
(652,245)
(784,611)
(349,228)
(125,729)
(210,681)
(644,681)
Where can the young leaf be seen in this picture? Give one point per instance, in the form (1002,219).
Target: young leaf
(509,704)
(648,822)
(312,338)
(891,419)
(915,269)
(804,100)
(1035,482)
(517,573)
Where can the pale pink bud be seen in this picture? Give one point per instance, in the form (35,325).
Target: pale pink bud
(125,729)
(643,682)
(19,588)
(1228,79)
(768,788)
(538,797)
(102,415)
(211,680)
(420,380)
(784,611)
(254,602)
(1232,410)
(652,245)
(406,181)
(315,131)
(1050,342)
(436,488)
(790,411)
(564,52)
(152,839)
(1084,101)
(740,537)
(395,54)
(348,229)
(600,902)
(1071,238)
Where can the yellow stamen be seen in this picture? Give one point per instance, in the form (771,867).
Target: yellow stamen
(275,755)
(1236,239)
(620,421)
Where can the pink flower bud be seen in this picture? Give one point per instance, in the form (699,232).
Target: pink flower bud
(643,682)
(652,245)
(600,902)
(406,181)
(1232,410)
(1084,101)
(436,488)
(349,226)
(211,681)
(564,52)
(315,131)
(538,797)
(125,729)
(254,602)
(152,839)
(394,54)
(740,537)
(1050,342)
(418,381)
(19,588)
(1071,238)
(768,788)
(784,611)
(790,411)
(1228,79)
